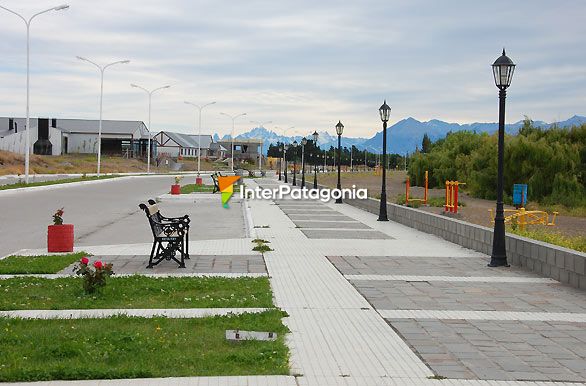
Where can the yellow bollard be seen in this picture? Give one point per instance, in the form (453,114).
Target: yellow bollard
(522,220)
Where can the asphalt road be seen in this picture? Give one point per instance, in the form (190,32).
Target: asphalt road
(106,213)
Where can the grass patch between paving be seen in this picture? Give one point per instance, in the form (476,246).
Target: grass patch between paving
(30,293)
(123,347)
(56,182)
(194,188)
(14,265)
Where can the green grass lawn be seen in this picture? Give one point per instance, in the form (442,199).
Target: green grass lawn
(193,188)
(123,347)
(38,264)
(55,182)
(29,293)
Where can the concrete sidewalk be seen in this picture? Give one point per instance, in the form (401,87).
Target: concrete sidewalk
(376,303)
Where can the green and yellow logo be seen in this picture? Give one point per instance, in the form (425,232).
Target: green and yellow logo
(226,185)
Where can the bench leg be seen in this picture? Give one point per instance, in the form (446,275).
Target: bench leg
(152,255)
(187,243)
(182,252)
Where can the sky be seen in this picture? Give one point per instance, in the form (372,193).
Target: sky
(297,63)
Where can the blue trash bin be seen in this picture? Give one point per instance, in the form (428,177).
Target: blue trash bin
(520,194)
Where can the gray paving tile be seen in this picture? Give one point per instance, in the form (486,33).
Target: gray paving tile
(450,353)
(196,264)
(332,225)
(475,296)
(345,234)
(430,266)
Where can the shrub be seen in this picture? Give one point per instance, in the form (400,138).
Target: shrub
(93,279)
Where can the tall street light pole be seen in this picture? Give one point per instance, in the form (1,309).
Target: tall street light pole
(102,70)
(284,151)
(502,69)
(28,30)
(385,112)
(339,131)
(150,94)
(295,144)
(285,148)
(233,118)
(303,143)
(199,108)
(315,138)
(260,125)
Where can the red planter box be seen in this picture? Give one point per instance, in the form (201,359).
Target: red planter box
(60,238)
(198,180)
(175,189)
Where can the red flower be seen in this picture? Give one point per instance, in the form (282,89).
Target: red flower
(84,260)
(98,264)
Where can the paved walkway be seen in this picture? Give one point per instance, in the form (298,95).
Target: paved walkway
(374,303)
(332,265)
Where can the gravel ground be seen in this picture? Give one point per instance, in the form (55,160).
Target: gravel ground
(476,210)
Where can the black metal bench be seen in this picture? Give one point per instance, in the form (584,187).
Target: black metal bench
(185,219)
(170,236)
(215,180)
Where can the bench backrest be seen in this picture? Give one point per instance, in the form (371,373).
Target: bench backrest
(152,213)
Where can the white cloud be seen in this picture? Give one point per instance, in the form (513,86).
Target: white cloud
(302,63)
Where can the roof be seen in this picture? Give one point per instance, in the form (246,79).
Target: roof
(205,140)
(189,140)
(86,126)
(108,126)
(183,140)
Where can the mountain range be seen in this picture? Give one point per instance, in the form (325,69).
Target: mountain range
(403,136)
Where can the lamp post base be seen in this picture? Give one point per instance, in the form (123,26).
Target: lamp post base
(339,199)
(498,262)
(382,212)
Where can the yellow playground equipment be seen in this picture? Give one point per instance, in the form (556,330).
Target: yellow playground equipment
(408,190)
(526,217)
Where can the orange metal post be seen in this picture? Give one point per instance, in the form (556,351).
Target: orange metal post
(447,197)
(425,193)
(456,197)
(407,186)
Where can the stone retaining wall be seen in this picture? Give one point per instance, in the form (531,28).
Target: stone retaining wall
(563,264)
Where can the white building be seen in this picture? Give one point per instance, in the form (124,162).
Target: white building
(62,136)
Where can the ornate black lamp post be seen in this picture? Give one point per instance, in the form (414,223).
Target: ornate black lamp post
(285,148)
(339,131)
(315,138)
(295,144)
(502,69)
(303,143)
(385,112)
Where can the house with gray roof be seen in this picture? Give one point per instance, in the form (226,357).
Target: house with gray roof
(173,144)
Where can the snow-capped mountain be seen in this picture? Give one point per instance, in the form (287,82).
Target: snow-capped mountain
(403,136)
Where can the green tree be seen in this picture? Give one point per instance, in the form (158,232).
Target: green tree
(425,144)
